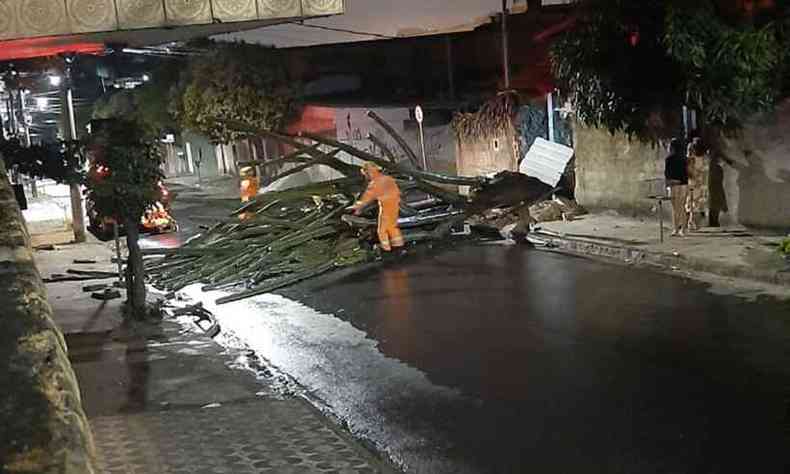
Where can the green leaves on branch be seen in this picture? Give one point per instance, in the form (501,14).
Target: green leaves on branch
(125,171)
(730,72)
(61,162)
(235,82)
(630,65)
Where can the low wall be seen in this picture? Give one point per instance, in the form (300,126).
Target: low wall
(43,428)
(613,172)
(750,184)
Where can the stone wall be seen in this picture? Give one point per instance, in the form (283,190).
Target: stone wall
(43,428)
(750,183)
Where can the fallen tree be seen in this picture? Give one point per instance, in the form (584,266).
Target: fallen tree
(285,237)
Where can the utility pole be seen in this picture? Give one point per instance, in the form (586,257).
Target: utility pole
(505,47)
(448,44)
(28,142)
(77,213)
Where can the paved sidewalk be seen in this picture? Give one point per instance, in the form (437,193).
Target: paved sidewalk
(165,398)
(731,252)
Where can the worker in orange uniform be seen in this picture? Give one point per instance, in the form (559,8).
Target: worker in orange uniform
(384,189)
(250,183)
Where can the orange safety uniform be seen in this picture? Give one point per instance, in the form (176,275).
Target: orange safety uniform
(249,188)
(384,189)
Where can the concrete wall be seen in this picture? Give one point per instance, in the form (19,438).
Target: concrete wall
(353,127)
(757,174)
(488,155)
(199,145)
(753,176)
(613,172)
(43,428)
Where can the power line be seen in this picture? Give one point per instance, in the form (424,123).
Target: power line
(343,30)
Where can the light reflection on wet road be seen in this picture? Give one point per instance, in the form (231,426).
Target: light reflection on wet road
(570,365)
(501,359)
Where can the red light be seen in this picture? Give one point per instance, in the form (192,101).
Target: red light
(47,46)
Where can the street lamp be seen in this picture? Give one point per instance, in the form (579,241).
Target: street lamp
(55,80)
(146,78)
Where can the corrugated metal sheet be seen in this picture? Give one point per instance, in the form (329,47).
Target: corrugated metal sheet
(546,161)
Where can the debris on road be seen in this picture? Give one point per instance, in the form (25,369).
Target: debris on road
(80,275)
(287,236)
(106,295)
(203,318)
(45,247)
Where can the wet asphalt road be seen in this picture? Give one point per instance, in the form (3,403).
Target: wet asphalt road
(502,359)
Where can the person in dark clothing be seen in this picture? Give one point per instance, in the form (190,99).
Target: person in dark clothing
(676,175)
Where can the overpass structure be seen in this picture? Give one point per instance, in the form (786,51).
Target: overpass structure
(30,28)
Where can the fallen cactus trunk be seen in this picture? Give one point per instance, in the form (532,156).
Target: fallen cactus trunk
(284,237)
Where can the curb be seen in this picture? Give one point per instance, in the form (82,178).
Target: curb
(632,255)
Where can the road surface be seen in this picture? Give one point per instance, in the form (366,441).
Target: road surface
(501,359)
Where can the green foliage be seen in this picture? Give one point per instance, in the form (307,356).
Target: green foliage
(116,104)
(125,171)
(61,162)
(630,65)
(784,247)
(730,72)
(235,82)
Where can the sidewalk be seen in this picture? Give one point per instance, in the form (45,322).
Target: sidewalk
(729,252)
(165,398)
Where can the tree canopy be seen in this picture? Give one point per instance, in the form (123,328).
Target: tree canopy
(61,162)
(234,82)
(125,170)
(149,104)
(630,65)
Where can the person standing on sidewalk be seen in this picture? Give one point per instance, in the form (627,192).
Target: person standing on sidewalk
(676,174)
(698,178)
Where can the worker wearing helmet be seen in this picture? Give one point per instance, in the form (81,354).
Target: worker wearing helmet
(384,189)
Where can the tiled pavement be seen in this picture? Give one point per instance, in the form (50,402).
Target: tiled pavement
(266,436)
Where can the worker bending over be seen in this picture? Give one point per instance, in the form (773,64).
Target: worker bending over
(384,189)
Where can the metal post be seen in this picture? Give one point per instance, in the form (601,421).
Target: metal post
(505,48)
(72,119)
(422,146)
(448,43)
(116,236)
(23,110)
(77,214)
(198,163)
(28,141)
(550,111)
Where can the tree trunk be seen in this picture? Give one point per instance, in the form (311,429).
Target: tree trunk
(135,284)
